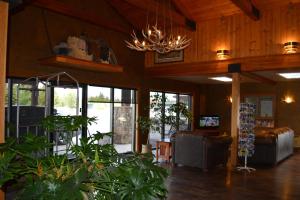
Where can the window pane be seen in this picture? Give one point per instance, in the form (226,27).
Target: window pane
(124,122)
(99,94)
(124,96)
(155,133)
(171,99)
(32,109)
(102,111)
(184,124)
(65,103)
(25,95)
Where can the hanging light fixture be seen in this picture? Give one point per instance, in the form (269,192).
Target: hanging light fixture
(153,39)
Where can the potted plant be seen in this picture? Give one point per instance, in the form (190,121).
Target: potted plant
(145,124)
(94,172)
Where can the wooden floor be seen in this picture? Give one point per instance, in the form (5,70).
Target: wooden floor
(267,183)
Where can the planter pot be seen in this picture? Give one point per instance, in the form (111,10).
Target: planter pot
(146,148)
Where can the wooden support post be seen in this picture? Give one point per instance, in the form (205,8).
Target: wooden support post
(3,47)
(143,99)
(235,122)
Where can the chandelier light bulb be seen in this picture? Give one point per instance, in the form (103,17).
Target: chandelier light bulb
(178,37)
(135,41)
(143,43)
(149,32)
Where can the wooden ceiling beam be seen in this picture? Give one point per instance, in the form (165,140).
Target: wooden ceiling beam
(183,9)
(249,64)
(258,78)
(248,8)
(71,11)
(153,6)
(120,6)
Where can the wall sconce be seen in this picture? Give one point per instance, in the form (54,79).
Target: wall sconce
(229,98)
(223,54)
(288,99)
(291,47)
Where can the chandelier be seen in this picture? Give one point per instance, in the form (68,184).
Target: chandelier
(156,40)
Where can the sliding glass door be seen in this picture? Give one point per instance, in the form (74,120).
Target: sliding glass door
(65,104)
(115,110)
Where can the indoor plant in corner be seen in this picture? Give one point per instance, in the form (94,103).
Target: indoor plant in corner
(94,172)
(145,124)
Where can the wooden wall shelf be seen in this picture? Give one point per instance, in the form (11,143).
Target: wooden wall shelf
(70,62)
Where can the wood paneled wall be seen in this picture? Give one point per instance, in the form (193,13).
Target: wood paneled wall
(28,42)
(241,35)
(285,114)
(3,46)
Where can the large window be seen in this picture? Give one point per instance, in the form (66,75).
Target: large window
(168,99)
(115,110)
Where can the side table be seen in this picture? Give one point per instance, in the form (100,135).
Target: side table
(163,150)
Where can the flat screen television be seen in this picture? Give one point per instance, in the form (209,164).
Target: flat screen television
(209,121)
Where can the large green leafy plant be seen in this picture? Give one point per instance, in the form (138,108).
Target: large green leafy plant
(94,172)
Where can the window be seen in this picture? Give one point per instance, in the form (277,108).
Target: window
(65,103)
(115,110)
(168,100)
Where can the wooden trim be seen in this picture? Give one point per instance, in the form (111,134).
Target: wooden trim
(248,8)
(248,64)
(259,78)
(70,62)
(3,54)
(69,10)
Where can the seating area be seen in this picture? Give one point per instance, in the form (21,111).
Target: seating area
(273,146)
(149,99)
(197,150)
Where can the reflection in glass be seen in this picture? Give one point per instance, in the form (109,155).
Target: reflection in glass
(124,117)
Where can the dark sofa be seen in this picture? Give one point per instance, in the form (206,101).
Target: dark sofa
(200,150)
(272,146)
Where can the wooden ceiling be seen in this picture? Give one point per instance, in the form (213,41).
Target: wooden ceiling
(135,11)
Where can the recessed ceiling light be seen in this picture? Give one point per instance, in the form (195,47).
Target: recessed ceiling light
(221,78)
(290,75)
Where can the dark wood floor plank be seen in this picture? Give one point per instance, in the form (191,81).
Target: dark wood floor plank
(281,182)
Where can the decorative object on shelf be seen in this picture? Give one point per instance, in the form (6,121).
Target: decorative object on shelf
(78,48)
(157,39)
(223,54)
(246,134)
(174,56)
(288,99)
(291,47)
(61,49)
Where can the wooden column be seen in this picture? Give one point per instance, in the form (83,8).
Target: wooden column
(235,122)
(3,46)
(143,99)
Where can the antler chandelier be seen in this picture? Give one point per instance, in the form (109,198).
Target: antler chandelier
(156,40)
